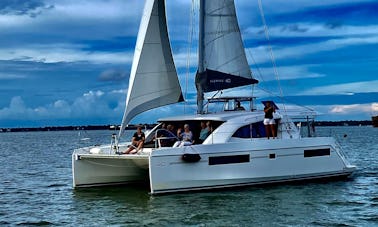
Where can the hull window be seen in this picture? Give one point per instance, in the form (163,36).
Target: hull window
(220,160)
(317,152)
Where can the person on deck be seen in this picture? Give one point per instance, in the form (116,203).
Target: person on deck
(204,133)
(238,106)
(209,127)
(136,142)
(171,129)
(269,120)
(186,137)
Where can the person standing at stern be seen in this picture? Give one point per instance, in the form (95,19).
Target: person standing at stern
(269,120)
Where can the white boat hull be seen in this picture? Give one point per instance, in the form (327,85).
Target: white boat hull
(221,165)
(282,162)
(107,169)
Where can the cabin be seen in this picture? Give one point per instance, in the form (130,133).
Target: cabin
(230,124)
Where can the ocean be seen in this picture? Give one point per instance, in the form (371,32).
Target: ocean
(36,189)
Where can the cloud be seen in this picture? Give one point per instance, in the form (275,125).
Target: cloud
(113,75)
(294,28)
(347,36)
(16,110)
(306,29)
(270,6)
(261,54)
(351,109)
(56,53)
(100,9)
(346,89)
(121,91)
(286,73)
(31,8)
(79,17)
(9,76)
(92,104)
(374,107)
(330,112)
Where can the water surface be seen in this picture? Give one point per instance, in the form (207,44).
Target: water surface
(36,189)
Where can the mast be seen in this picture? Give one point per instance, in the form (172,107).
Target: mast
(201,56)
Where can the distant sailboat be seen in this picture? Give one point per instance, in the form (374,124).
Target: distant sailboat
(235,151)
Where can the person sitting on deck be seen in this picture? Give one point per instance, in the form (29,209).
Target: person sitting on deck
(204,133)
(136,142)
(186,137)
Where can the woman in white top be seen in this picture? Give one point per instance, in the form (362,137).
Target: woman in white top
(186,137)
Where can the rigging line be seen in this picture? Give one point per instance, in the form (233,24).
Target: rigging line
(261,78)
(207,103)
(190,43)
(284,98)
(271,51)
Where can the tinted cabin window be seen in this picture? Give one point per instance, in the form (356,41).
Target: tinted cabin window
(257,130)
(219,160)
(317,152)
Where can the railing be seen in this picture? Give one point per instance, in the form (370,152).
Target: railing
(169,136)
(341,152)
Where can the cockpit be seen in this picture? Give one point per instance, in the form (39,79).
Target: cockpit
(167,133)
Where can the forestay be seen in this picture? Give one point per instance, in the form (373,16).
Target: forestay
(153,79)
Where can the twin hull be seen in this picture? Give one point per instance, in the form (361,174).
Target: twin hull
(221,165)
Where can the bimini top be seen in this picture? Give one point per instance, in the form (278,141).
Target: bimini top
(221,116)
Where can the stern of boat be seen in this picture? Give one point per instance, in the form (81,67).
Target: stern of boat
(103,168)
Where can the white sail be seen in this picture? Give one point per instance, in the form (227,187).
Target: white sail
(153,79)
(222,62)
(223,45)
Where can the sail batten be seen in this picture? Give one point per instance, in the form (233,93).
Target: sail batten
(153,78)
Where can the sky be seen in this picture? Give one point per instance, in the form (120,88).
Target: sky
(67,62)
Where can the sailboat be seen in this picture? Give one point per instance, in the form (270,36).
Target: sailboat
(236,152)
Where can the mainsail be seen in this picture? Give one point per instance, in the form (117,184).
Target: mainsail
(153,79)
(222,60)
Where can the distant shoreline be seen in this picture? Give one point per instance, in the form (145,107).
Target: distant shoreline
(149,126)
(72,128)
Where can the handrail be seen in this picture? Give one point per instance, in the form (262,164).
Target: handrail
(158,139)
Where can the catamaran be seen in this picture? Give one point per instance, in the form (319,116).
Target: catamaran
(237,151)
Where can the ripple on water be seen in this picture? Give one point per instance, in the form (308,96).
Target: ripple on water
(57,185)
(36,223)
